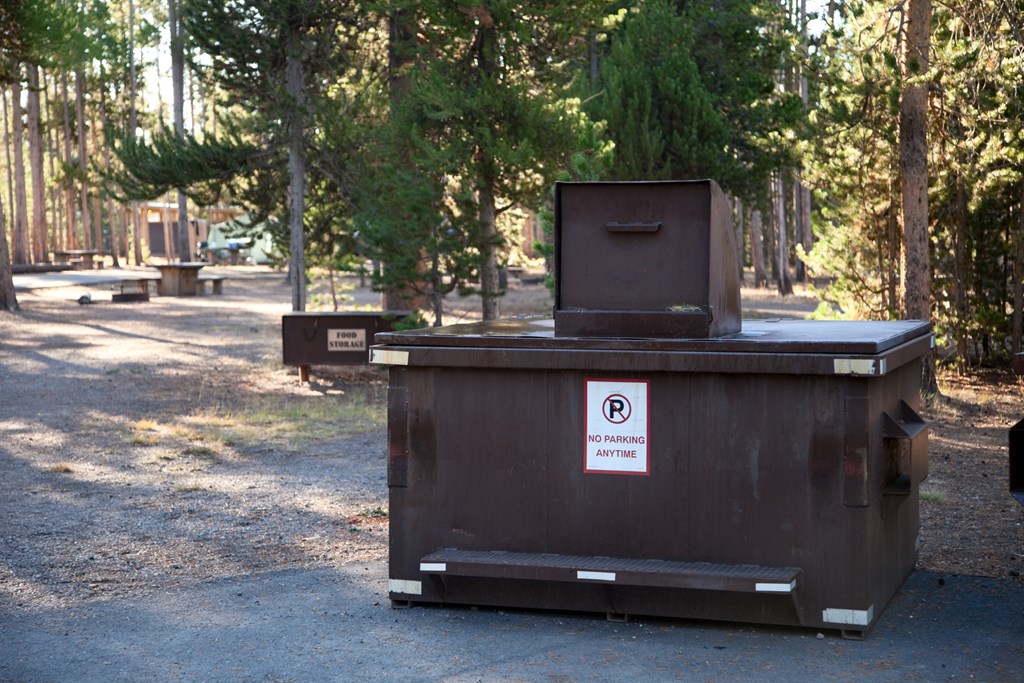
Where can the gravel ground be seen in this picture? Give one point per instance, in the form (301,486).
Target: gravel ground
(174,505)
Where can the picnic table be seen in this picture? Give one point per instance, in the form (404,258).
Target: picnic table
(83,259)
(178,279)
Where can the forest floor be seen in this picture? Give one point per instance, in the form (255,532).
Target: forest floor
(150,446)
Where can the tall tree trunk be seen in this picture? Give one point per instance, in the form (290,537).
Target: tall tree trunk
(913,147)
(9,165)
(82,159)
(19,235)
(489,281)
(804,234)
(56,199)
(739,227)
(807,238)
(140,225)
(771,233)
(97,200)
(960,270)
(8,297)
(35,160)
(1018,274)
(798,225)
(891,263)
(490,288)
(296,87)
(402,47)
(785,280)
(114,222)
(757,249)
(123,218)
(133,122)
(913,154)
(436,290)
(97,220)
(191,103)
(165,220)
(71,241)
(178,83)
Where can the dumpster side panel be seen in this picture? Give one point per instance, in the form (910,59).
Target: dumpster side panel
(598,268)
(616,514)
(744,470)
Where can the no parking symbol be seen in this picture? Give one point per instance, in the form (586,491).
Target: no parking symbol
(616,409)
(616,429)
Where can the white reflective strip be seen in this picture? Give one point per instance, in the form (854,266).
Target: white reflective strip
(775,587)
(389,357)
(854,366)
(407,587)
(433,567)
(595,576)
(850,617)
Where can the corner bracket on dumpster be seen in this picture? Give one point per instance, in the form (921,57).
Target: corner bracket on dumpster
(859,366)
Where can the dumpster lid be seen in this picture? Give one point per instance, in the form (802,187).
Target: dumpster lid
(777,335)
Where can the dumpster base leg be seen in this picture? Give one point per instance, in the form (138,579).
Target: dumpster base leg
(616,617)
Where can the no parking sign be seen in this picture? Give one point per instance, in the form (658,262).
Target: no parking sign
(616,429)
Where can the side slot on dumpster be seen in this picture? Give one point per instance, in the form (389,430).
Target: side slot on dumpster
(905,440)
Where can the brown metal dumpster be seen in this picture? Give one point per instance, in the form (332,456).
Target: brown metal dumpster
(332,337)
(768,475)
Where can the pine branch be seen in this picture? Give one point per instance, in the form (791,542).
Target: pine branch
(201,169)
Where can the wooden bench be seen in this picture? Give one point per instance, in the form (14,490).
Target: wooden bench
(81,259)
(216,282)
(31,268)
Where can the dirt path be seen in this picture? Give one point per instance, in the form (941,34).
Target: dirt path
(131,461)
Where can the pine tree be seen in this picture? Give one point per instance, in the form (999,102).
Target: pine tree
(485,127)
(661,117)
(687,91)
(976,167)
(275,59)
